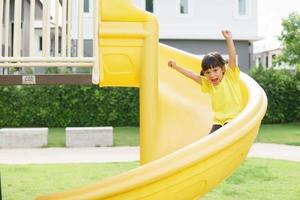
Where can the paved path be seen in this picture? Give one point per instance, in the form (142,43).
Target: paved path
(69,155)
(275,151)
(122,154)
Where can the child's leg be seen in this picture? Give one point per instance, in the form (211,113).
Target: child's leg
(215,127)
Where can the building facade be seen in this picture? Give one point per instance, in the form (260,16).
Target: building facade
(195,26)
(190,25)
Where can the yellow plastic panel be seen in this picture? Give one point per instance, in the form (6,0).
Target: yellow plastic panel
(192,170)
(121,45)
(181,162)
(120,63)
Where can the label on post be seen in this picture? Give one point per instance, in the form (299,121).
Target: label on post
(28,79)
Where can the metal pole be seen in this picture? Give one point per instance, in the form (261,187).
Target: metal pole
(0,188)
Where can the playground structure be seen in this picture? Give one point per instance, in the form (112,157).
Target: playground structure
(178,159)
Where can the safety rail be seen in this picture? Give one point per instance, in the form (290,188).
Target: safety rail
(48,33)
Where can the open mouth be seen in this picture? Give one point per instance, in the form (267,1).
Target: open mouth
(214,80)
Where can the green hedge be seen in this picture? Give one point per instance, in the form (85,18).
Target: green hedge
(283,91)
(62,106)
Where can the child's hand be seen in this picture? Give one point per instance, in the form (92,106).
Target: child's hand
(172,64)
(226,34)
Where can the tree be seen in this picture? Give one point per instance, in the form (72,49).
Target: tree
(290,38)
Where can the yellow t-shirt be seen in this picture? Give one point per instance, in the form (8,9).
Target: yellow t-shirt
(226,96)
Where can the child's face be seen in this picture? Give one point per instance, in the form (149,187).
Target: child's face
(215,74)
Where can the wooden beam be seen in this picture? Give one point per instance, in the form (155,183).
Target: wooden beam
(70,79)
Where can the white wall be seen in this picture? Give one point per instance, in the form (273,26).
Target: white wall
(205,20)
(139,3)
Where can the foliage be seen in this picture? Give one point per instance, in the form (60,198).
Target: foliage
(290,37)
(283,91)
(62,106)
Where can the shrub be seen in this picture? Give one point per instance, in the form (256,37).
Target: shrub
(61,106)
(283,91)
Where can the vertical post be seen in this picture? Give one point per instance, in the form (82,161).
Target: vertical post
(149,92)
(6,31)
(0,188)
(46,28)
(7,26)
(17,28)
(97,20)
(56,36)
(1,26)
(80,29)
(69,27)
(31,27)
(64,28)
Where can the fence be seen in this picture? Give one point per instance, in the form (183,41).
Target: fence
(48,33)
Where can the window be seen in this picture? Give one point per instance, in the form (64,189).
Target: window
(267,61)
(184,6)
(86,6)
(40,43)
(149,5)
(259,61)
(59,44)
(273,58)
(242,8)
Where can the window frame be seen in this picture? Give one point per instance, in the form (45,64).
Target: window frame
(40,43)
(248,9)
(153,6)
(184,15)
(84,6)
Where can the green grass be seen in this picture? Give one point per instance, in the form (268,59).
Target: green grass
(123,136)
(129,136)
(280,134)
(259,179)
(29,181)
(56,137)
(126,136)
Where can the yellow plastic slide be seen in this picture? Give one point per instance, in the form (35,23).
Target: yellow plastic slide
(179,160)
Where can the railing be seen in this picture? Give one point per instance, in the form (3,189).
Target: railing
(48,33)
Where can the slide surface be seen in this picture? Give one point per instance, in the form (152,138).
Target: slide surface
(180,161)
(201,161)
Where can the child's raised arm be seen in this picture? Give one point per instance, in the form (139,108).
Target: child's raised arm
(230,48)
(185,72)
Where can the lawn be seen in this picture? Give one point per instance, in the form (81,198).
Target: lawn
(56,137)
(25,182)
(126,136)
(280,134)
(123,136)
(129,136)
(259,179)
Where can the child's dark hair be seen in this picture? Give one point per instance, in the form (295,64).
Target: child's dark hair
(212,60)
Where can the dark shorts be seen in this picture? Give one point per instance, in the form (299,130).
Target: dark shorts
(215,127)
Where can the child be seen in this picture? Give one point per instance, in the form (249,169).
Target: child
(220,81)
